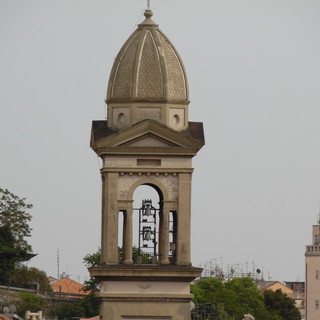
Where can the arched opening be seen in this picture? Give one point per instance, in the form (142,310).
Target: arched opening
(147,200)
(147,232)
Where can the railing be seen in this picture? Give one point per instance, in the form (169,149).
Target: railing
(313,249)
(51,294)
(17,289)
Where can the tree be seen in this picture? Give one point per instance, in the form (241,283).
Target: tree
(229,300)
(33,278)
(87,307)
(29,302)
(92,260)
(13,212)
(281,305)
(10,254)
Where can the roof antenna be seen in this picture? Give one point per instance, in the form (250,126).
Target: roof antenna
(148,4)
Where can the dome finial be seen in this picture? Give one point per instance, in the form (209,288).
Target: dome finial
(148,12)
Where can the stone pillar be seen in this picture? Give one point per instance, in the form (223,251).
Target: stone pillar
(103,253)
(127,236)
(164,235)
(109,246)
(184,220)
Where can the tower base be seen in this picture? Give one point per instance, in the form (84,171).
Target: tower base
(145,291)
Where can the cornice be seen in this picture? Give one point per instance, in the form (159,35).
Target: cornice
(139,151)
(146,297)
(146,170)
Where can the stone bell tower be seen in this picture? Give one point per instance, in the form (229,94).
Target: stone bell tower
(146,140)
(312,274)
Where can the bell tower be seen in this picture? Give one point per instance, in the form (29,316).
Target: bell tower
(146,140)
(312,260)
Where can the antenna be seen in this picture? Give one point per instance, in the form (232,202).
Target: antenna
(148,4)
(58,264)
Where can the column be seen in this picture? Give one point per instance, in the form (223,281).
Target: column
(164,235)
(127,236)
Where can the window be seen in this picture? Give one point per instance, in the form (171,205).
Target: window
(317,274)
(317,304)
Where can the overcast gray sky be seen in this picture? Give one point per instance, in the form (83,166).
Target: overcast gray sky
(254,77)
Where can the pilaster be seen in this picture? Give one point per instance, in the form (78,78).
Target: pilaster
(184,220)
(110,219)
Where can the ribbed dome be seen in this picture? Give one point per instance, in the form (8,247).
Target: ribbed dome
(148,68)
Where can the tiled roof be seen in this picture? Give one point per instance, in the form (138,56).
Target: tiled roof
(67,285)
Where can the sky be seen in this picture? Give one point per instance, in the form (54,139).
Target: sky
(254,78)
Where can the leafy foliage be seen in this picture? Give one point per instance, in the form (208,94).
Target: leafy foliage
(230,300)
(92,260)
(33,278)
(29,302)
(10,254)
(13,212)
(86,307)
(281,305)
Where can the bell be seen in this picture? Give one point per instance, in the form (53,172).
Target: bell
(147,235)
(147,211)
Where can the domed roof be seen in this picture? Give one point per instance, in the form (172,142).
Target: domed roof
(148,68)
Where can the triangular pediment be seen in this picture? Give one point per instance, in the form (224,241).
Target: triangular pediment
(144,136)
(149,140)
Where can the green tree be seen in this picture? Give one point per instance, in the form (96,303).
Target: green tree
(247,297)
(279,304)
(33,278)
(92,260)
(29,302)
(10,254)
(229,300)
(87,307)
(90,305)
(14,212)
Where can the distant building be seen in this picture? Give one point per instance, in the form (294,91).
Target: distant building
(275,285)
(52,279)
(67,285)
(299,295)
(312,262)
(296,286)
